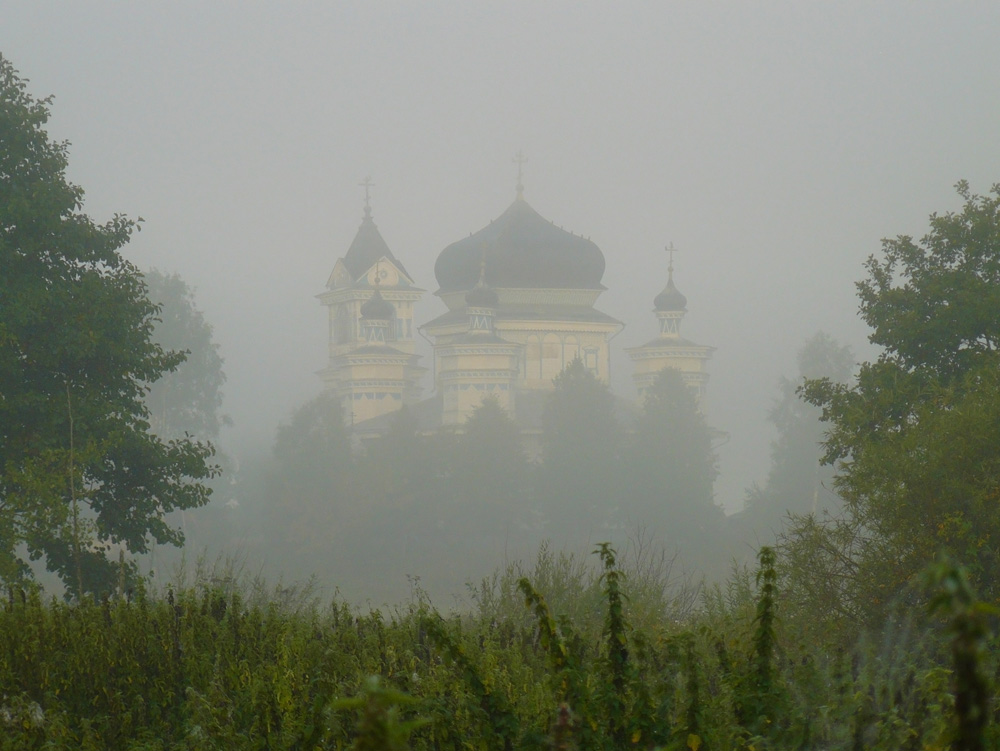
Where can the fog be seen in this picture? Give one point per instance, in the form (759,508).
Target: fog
(774,144)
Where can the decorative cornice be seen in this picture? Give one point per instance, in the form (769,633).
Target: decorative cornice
(651,353)
(453,350)
(473,375)
(348,294)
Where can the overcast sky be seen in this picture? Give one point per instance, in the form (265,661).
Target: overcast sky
(774,144)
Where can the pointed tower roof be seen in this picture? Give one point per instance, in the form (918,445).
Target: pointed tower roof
(368,246)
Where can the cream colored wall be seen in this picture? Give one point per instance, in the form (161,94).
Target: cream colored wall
(372,388)
(690,361)
(361,408)
(467,376)
(565,341)
(653,365)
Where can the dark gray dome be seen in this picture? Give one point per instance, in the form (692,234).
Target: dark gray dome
(670,299)
(522,249)
(377,308)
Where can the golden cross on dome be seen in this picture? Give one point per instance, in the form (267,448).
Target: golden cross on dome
(671,250)
(367,184)
(519,159)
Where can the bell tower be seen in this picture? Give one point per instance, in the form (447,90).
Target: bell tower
(372,361)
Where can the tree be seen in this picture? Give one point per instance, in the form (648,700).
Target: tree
(945,318)
(187,400)
(798,482)
(490,473)
(672,466)
(580,472)
(311,477)
(402,471)
(916,437)
(80,469)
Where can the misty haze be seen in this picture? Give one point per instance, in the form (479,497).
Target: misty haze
(561,376)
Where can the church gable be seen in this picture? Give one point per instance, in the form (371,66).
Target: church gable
(388,274)
(340,277)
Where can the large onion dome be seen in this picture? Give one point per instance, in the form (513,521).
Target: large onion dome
(522,250)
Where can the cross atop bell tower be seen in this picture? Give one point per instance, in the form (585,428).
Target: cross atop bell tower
(519,159)
(367,184)
(370,298)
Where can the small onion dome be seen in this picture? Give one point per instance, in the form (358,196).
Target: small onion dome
(482,296)
(525,250)
(377,308)
(670,299)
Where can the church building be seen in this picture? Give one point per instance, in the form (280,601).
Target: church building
(520,296)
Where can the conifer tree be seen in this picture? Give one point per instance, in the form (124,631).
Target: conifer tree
(581,468)
(672,467)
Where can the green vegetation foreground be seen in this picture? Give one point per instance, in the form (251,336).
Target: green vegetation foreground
(210,668)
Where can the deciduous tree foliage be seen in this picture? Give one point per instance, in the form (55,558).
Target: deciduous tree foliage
(187,401)
(935,305)
(80,469)
(916,437)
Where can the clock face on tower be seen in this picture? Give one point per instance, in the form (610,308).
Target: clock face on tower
(383,274)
